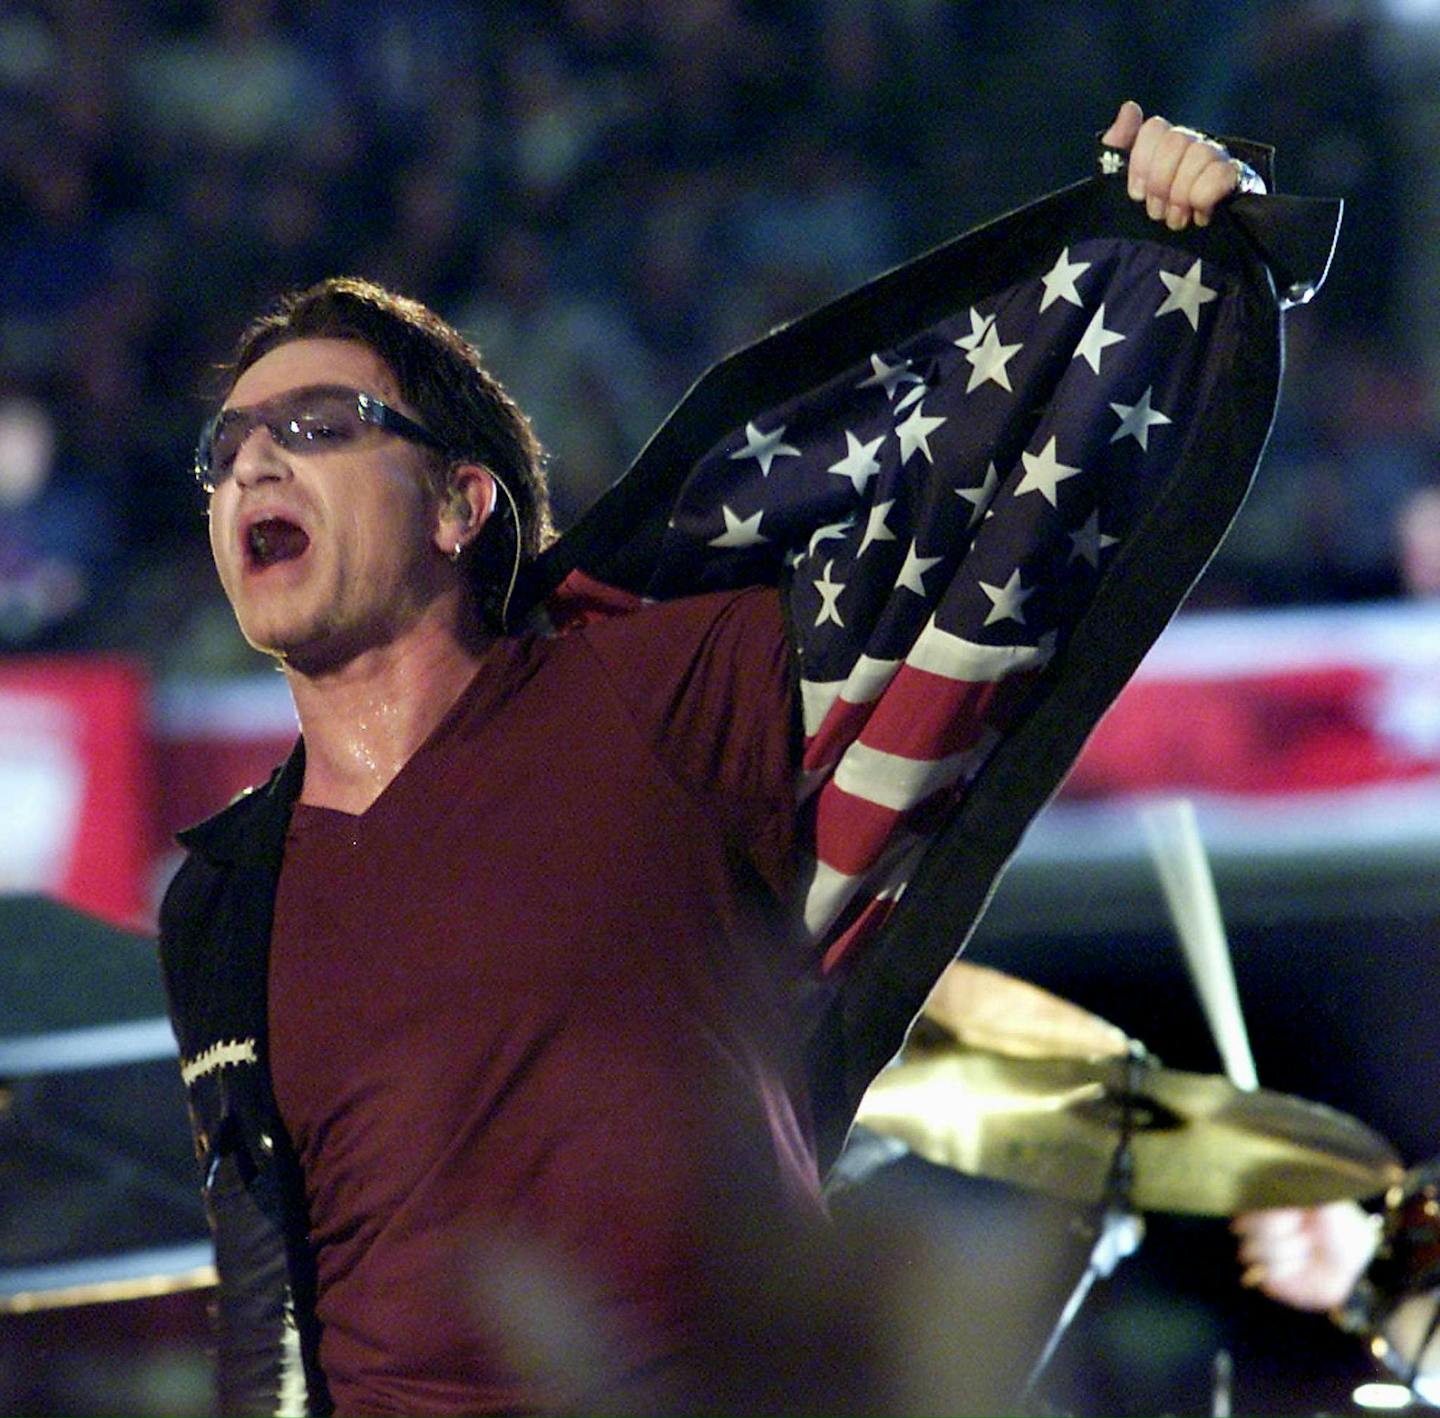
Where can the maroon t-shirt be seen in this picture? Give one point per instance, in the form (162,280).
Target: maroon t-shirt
(536,992)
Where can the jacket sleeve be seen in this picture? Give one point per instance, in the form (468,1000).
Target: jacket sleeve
(984,483)
(259,1360)
(214,927)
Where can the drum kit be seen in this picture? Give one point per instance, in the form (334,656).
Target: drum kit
(1000,1079)
(1003,1081)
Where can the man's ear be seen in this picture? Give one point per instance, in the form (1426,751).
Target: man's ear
(466,507)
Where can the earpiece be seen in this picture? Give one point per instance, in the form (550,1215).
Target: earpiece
(459,505)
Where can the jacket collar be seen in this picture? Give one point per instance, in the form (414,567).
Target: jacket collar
(254,823)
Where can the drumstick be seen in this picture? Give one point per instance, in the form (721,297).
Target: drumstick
(1184,871)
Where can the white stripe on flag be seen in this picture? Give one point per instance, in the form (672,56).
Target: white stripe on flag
(816,697)
(867,681)
(894,781)
(941,653)
(830,891)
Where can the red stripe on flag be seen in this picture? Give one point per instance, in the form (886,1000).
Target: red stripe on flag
(837,732)
(926,716)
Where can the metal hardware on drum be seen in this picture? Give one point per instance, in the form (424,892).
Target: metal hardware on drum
(1405,1270)
(1120,1231)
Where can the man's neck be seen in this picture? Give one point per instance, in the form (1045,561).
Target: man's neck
(364,721)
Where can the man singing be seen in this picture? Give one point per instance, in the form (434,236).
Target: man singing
(508,948)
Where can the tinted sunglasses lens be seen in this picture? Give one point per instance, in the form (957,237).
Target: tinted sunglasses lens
(309,421)
(313,421)
(215,450)
(221,441)
(203,452)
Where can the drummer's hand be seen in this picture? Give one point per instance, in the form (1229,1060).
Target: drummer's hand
(1307,1257)
(1178,173)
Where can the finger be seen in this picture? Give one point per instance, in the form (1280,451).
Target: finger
(1146,160)
(1211,187)
(1203,176)
(1288,1256)
(1299,1293)
(1250,1253)
(1280,1255)
(1171,147)
(1121,133)
(1277,1220)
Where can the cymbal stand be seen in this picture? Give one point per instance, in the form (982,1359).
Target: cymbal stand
(1120,1228)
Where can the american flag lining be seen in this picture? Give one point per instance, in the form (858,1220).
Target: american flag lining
(970,487)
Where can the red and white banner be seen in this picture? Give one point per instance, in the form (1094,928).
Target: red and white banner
(77,804)
(1286,727)
(1280,702)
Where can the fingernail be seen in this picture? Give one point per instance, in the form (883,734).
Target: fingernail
(1136,188)
(1202,219)
(1155,207)
(1253,1275)
(1174,218)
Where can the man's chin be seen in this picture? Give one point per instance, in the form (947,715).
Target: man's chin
(293,647)
(313,656)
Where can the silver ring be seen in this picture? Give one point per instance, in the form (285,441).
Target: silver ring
(1246,178)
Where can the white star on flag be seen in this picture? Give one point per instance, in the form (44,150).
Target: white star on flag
(989,360)
(911,396)
(1095,340)
(875,528)
(1006,600)
(980,497)
(832,531)
(765,447)
(888,376)
(1111,162)
(1059,281)
(915,433)
(1044,472)
(978,326)
(1136,420)
(913,572)
(1090,541)
(829,598)
(1187,295)
(739,532)
(859,463)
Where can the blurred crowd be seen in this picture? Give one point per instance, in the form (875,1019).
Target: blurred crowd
(608,195)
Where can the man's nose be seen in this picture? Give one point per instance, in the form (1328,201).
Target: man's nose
(259,458)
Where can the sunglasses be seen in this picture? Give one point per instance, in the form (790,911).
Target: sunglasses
(317,419)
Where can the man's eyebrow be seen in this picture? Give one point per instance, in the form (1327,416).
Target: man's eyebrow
(348,390)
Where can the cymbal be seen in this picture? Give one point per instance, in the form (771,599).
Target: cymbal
(988,1009)
(1198,1144)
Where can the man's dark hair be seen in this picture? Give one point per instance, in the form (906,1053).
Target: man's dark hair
(441,376)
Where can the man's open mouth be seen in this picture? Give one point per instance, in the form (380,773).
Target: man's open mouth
(274,540)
